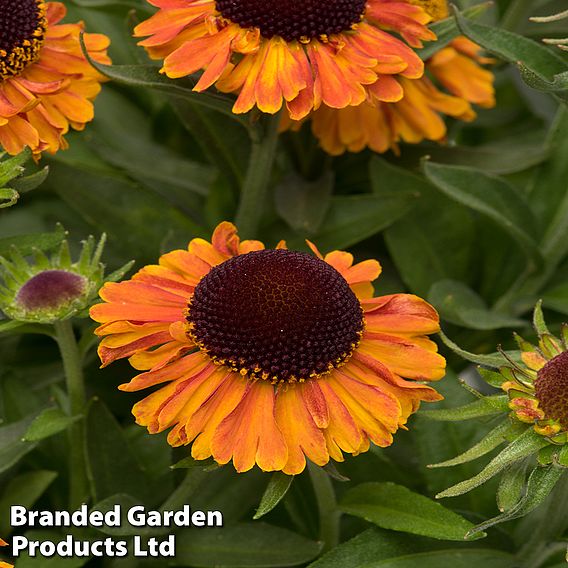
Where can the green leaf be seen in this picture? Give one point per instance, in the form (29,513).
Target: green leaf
(102,199)
(511,486)
(485,406)
(495,438)
(352,219)
(512,47)
(446,30)
(8,197)
(491,196)
(24,490)
(538,320)
(304,204)
(111,466)
(149,77)
(421,251)
(27,243)
(462,558)
(50,422)
(365,548)
(276,491)
(244,545)
(525,445)
(136,151)
(495,360)
(549,195)
(225,144)
(541,482)
(28,183)
(558,86)
(12,446)
(190,463)
(500,157)
(228,491)
(12,167)
(395,507)
(459,304)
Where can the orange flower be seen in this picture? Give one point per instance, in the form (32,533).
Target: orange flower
(380,124)
(46,84)
(304,53)
(419,115)
(269,357)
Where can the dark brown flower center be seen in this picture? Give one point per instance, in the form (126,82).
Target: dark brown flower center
(50,289)
(294,19)
(22,31)
(551,388)
(277,315)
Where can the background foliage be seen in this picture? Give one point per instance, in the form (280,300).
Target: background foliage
(478,226)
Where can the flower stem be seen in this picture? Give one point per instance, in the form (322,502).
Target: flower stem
(329,516)
(73,367)
(257,180)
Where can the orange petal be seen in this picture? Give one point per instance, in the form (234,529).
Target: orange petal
(250,434)
(303,437)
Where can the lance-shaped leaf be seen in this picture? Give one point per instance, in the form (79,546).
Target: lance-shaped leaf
(541,482)
(558,86)
(523,446)
(485,406)
(513,48)
(446,30)
(511,486)
(459,304)
(395,507)
(496,437)
(149,76)
(491,196)
(495,360)
(538,320)
(276,491)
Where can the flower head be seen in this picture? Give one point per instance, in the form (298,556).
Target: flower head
(535,424)
(454,80)
(269,357)
(50,288)
(46,84)
(303,53)
(538,390)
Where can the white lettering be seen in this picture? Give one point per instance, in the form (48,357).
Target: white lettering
(18,516)
(136,516)
(19,543)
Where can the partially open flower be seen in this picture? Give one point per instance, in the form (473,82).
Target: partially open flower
(46,84)
(269,357)
(534,425)
(454,80)
(302,53)
(47,289)
(538,390)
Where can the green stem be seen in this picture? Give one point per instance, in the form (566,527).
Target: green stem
(73,367)
(257,180)
(329,516)
(553,522)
